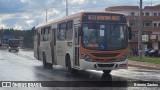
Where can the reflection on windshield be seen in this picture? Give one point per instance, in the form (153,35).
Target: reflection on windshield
(13,43)
(104,37)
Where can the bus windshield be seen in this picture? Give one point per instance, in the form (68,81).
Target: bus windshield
(14,43)
(104,37)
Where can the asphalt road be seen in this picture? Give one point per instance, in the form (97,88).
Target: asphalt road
(22,66)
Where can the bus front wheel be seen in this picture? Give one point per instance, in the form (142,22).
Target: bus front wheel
(45,64)
(107,71)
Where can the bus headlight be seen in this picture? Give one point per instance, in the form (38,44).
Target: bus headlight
(9,47)
(87,58)
(123,57)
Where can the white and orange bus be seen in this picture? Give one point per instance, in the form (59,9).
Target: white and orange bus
(86,40)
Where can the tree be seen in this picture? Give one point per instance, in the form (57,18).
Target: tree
(26,34)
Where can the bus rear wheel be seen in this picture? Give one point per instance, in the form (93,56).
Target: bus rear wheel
(45,64)
(107,71)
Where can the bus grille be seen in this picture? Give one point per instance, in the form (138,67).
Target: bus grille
(105,55)
(105,65)
(106,60)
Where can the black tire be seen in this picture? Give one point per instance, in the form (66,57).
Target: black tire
(106,77)
(45,64)
(69,68)
(106,71)
(9,50)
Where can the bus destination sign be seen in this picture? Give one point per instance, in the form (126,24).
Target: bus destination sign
(103,18)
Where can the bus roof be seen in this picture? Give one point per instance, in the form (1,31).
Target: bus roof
(73,16)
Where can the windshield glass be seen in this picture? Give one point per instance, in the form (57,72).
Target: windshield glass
(104,36)
(13,43)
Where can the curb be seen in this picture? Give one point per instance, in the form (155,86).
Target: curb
(145,65)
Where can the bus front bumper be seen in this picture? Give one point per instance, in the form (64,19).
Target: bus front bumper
(85,65)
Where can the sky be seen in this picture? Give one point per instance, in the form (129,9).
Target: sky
(25,14)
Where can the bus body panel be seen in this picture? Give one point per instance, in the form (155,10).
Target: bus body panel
(46,49)
(62,50)
(84,65)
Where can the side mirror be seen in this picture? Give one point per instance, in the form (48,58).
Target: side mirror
(129,33)
(79,31)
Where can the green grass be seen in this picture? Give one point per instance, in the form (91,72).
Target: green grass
(145,59)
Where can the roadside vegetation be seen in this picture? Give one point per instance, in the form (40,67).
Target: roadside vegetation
(145,59)
(26,34)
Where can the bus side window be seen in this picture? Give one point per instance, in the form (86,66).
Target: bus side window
(41,34)
(62,31)
(69,31)
(58,34)
(49,33)
(41,31)
(46,33)
(49,29)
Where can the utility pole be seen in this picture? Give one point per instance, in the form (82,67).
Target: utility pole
(66,7)
(37,22)
(46,15)
(140,32)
